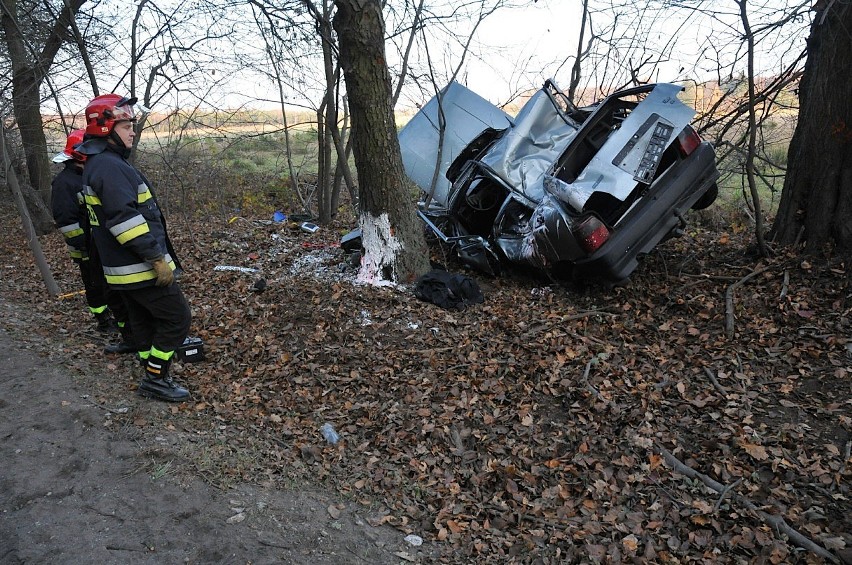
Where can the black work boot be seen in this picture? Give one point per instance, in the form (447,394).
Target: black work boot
(126,345)
(120,347)
(158,384)
(106,323)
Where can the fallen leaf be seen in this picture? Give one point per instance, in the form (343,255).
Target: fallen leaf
(834,543)
(756,451)
(630,543)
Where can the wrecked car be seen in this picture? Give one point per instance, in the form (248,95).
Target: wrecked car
(585,191)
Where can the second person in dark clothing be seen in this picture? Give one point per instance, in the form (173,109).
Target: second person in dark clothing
(71,217)
(135,251)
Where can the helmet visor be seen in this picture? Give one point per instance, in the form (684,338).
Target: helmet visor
(125,110)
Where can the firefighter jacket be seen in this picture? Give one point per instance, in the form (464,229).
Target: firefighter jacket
(69,210)
(127,225)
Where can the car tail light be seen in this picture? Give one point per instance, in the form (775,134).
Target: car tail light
(590,233)
(688,140)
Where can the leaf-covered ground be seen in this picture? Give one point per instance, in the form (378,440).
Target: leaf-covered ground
(543,425)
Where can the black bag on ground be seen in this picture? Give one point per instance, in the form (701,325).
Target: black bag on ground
(448,290)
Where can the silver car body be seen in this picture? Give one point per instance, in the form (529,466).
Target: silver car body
(534,222)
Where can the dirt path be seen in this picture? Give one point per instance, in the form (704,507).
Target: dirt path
(83,480)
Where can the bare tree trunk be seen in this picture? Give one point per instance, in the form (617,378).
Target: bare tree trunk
(342,171)
(330,192)
(752,134)
(578,61)
(332,79)
(323,159)
(392,235)
(32,238)
(817,194)
(27,76)
(288,146)
(328,148)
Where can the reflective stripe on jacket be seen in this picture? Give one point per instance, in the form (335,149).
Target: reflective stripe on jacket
(69,210)
(127,224)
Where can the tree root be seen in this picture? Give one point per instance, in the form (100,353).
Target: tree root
(776,521)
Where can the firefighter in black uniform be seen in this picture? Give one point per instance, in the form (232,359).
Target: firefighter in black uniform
(69,213)
(130,234)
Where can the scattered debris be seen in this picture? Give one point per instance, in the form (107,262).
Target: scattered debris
(448,290)
(414,540)
(329,433)
(233,268)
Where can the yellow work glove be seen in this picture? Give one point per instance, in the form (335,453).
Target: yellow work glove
(165,276)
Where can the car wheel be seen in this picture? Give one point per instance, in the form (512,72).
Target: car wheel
(707,198)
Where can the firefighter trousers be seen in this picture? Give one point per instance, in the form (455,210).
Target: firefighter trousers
(160,317)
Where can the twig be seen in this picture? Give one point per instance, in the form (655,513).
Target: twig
(430,350)
(255,222)
(107,514)
(120,411)
(715,382)
(822,490)
(727,489)
(729,300)
(589,386)
(585,338)
(270,543)
(680,505)
(773,519)
(580,315)
(706,277)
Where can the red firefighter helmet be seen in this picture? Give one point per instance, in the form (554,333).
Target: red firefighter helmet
(74,138)
(104,111)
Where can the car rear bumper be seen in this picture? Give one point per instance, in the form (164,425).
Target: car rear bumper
(653,218)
